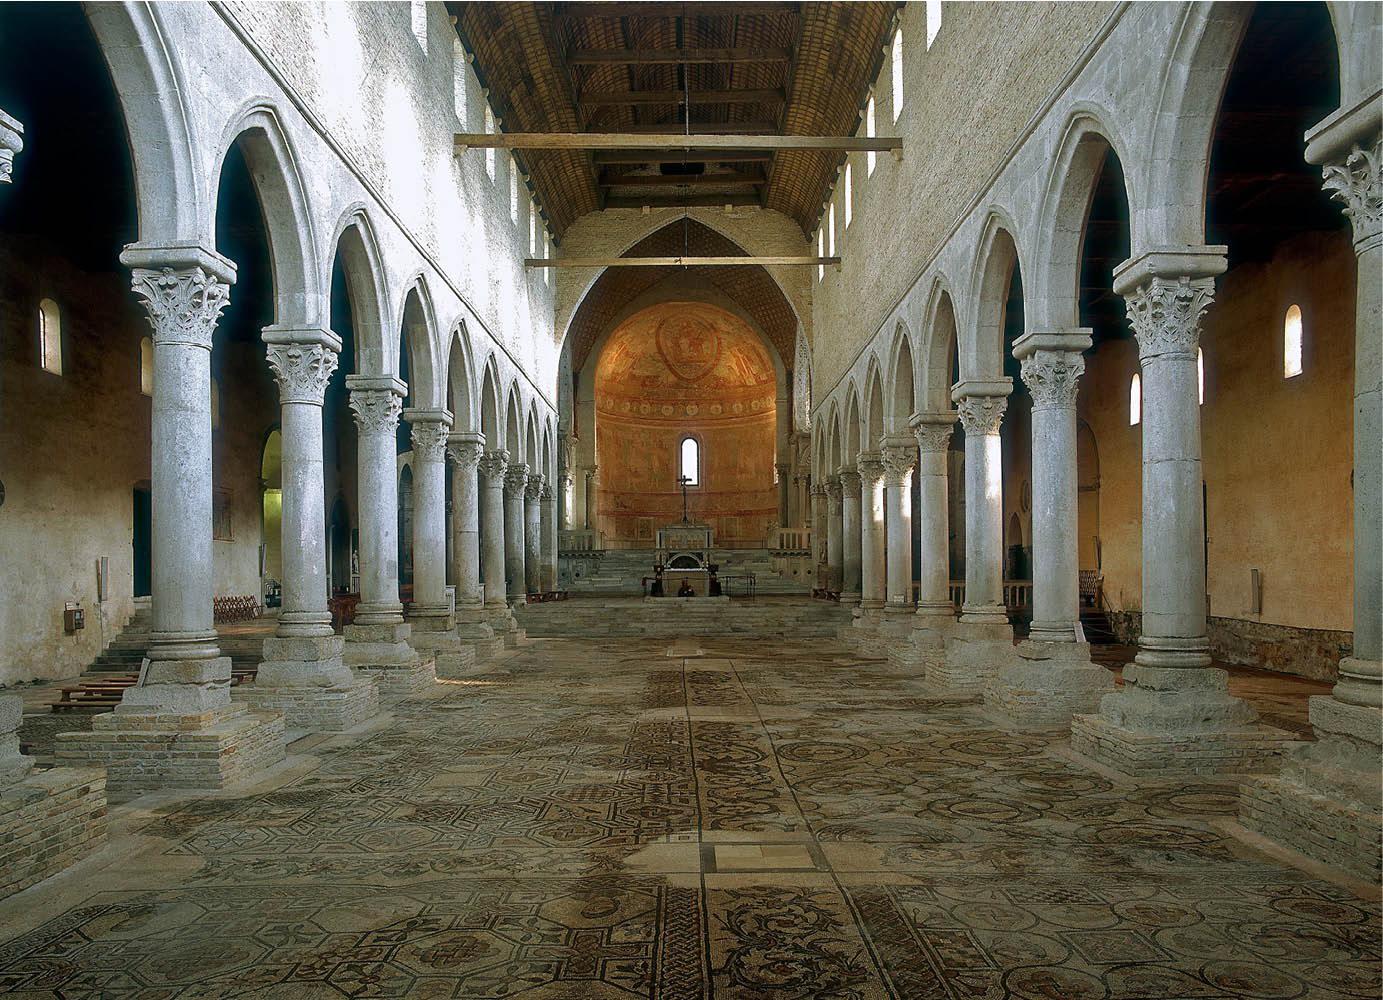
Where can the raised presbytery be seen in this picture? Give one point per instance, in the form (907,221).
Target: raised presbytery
(763,501)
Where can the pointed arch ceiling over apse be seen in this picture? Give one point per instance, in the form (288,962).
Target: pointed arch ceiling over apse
(746,68)
(751,286)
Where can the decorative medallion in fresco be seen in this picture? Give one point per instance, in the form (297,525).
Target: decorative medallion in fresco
(688,344)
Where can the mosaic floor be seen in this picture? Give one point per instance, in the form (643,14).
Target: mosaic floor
(743,821)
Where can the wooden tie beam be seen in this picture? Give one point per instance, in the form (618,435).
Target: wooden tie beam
(672,57)
(566,262)
(633,140)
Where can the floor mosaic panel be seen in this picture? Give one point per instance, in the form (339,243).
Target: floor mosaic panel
(737,820)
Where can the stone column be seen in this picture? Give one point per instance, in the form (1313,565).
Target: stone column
(11,142)
(981,640)
(818,526)
(494,467)
(429,430)
(1327,801)
(850,535)
(592,482)
(566,452)
(872,541)
(465,449)
(933,433)
(834,529)
(1174,712)
(533,534)
(178,727)
(303,673)
(899,456)
(515,518)
(378,640)
(1054,678)
(547,581)
(784,474)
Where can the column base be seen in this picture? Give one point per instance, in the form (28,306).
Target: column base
(311,684)
(1326,802)
(452,657)
(149,752)
(385,654)
(182,687)
(850,597)
(473,628)
(1049,683)
(49,822)
(505,625)
(974,654)
(431,619)
(1177,721)
(916,651)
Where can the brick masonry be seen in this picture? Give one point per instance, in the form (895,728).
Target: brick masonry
(1337,833)
(49,822)
(1146,754)
(333,709)
(396,680)
(144,753)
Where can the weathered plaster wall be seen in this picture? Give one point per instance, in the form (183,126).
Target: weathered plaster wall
(73,446)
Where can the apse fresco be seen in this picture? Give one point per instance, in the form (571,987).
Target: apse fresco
(683,368)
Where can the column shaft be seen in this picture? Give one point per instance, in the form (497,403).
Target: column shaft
(377,404)
(515,482)
(933,433)
(429,432)
(834,530)
(548,558)
(592,482)
(850,535)
(465,451)
(533,535)
(493,467)
(898,458)
(982,406)
(873,587)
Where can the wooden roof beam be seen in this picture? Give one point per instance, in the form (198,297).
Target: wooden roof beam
(571,11)
(774,95)
(569,262)
(724,156)
(674,180)
(673,57)
(739,200)
(653,141)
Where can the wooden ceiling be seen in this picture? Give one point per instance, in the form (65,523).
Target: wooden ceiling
(741,68)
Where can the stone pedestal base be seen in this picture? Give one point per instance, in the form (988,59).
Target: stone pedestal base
(975,651)
(309,682)
(403,679)
(1050,682)
(49,822)
(473,628)
(452,656)
(505,626)
(1177,721)
(917,651)
(148,752)
(1326,803)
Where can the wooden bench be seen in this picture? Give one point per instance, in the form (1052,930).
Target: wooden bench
(239,608)
(107,691)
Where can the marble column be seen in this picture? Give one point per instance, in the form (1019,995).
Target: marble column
(1053,678)
(494,467)
(429,430)
(547,581)
(1333,786)
(835,565)
(899,456)
(377,402)
(819,533)
(566,456)
(784,475)
(304,673)
(850,535)
(933,433)
(184,290)
(873,587)
(515,518)
(1174,710)
(533,534)
(592,482)
(465,450)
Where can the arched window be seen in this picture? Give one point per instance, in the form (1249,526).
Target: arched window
(1200,374)
(532,229)
(146,366)
(849,197)
(690,463)
(820,252)
(50,336)
(933,20)
(513,191)
(897,73)
(1135,401)
(870,157)
(1291,342)
(831,229)
(215,404)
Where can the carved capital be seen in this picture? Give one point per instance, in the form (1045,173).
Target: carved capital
(981,415)
(465,455)
(533,490)
(547,495)
(849,482)
(1165,314)
(834,493)
(183,303)
(817,490)
(592,475)
(429,440)
(516,478)
(871,466)
(933,430)
(1052,378)
(898,461)
(376,410)
(302,371)
(1357,181)
(494,465)
(10,143)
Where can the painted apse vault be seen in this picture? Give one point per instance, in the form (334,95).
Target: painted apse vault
(675,370)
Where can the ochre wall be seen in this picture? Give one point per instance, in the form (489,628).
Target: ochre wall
(1278,456)
(675,369)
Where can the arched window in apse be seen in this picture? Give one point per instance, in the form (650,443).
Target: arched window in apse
(691,461)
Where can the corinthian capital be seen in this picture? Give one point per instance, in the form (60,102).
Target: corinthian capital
(302,370)
(493,465)
(849,482)
(1357,181)
(834,493)
(465,452)
(429,440)
(981,415)
(183,303)
(10,143)
(547,495)
(516,478)
(533,490)
(933,430)
(376,410)
(898,458)
(1165,314)
(871,466)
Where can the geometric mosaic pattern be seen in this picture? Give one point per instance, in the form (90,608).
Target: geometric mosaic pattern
(738,819)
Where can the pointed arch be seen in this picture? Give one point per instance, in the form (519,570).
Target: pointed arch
(530,440)
(874,406)
(549,452)
(513,425)
(982,353)
(355,246)
(942,347)
(491,417)
(300,296)
(902,381)
(460,380)
(416,327)
(833,445)
(852,424)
